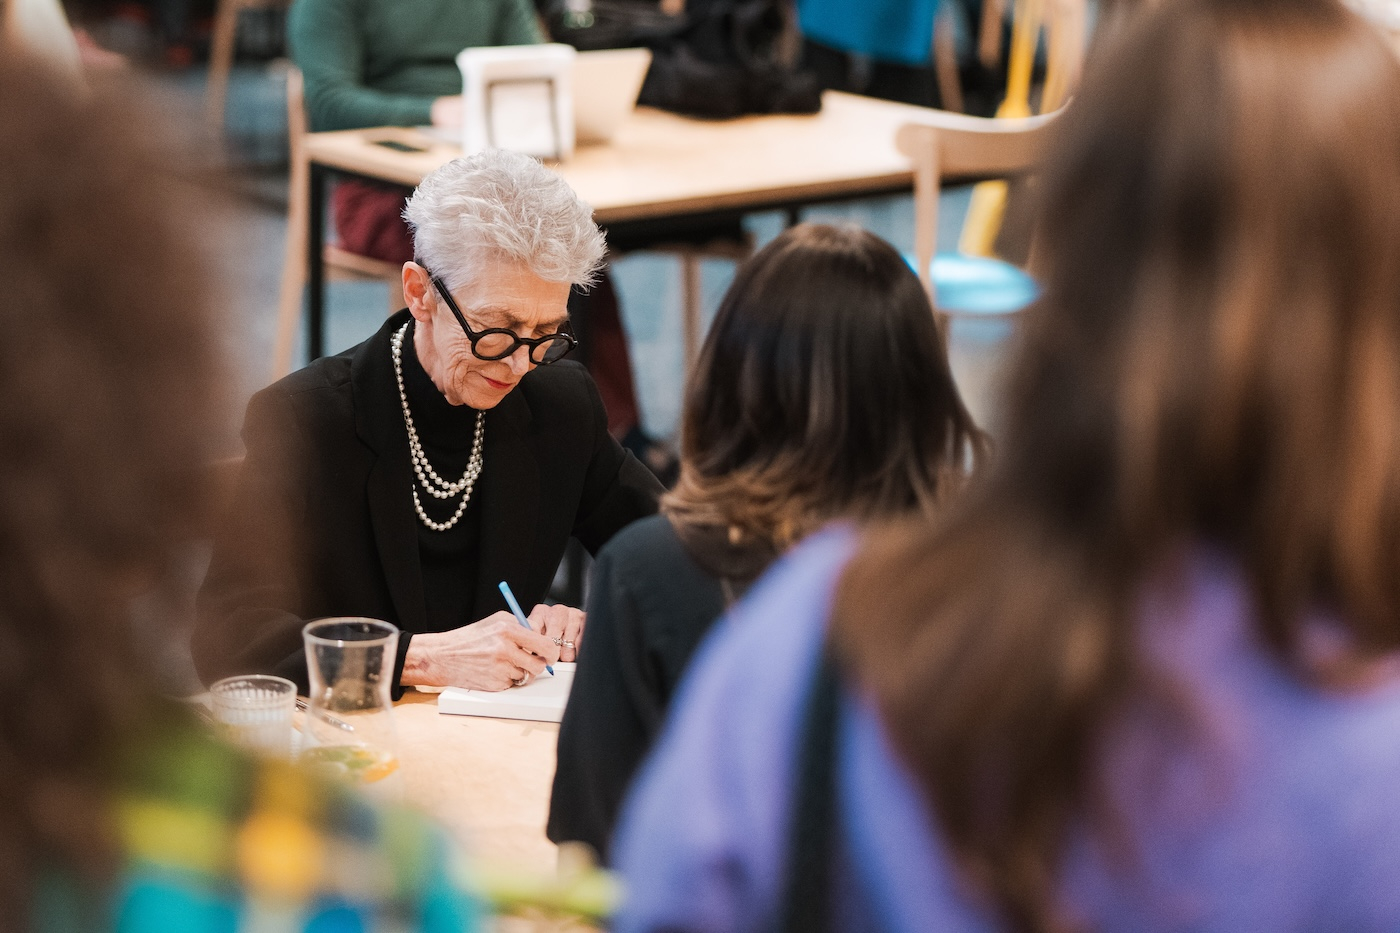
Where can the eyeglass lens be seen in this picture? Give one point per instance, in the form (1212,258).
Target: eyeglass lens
(495,346)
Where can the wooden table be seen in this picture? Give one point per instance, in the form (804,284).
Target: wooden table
(487,780)
(659,168)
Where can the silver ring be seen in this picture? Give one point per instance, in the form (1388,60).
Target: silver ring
(521,681)
(559,642)
(566,644)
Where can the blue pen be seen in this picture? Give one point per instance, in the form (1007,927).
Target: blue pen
(519,616)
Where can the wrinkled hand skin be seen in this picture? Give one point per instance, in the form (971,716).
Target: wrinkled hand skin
(488,655)
(562,622)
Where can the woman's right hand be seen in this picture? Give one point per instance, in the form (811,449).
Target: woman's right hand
(492,654)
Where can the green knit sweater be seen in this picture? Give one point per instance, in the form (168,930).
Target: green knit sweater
(383,62)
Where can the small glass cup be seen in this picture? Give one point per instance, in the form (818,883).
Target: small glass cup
(349,722)
(256,711)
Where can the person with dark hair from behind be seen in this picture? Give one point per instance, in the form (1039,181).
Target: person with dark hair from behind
(822,392)
(1144,674)
(120,812)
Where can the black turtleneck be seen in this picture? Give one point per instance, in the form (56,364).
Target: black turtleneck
(448,558)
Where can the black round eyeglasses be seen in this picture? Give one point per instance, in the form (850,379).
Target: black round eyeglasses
(497,343)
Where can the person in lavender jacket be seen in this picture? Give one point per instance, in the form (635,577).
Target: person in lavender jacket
(1146,676)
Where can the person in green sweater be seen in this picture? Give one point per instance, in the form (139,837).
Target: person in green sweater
(391,63)
(394,63)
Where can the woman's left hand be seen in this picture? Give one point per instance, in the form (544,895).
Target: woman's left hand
(562,623)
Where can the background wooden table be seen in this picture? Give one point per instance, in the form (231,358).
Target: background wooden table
(660,171)
(664,165)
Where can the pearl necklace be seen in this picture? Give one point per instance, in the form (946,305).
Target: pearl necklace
(436,486)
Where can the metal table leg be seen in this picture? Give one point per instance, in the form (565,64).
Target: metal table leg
(315,263)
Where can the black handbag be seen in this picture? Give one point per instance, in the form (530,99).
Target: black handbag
(720,59)
(611,24)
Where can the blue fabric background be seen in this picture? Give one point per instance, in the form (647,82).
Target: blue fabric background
(889,30)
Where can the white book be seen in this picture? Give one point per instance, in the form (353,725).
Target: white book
(541,700)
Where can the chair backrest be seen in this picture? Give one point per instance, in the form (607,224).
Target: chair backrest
(296,110)
(294,255)
(1066,26)
(295,248)
(954,144)
(1063,25)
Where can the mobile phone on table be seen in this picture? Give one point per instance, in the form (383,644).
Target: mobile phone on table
(397,146)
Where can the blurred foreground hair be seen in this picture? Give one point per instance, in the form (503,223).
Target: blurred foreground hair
(107,369)
(1215,360)
(822,390)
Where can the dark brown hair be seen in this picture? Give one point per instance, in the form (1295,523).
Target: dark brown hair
(106,405)
(822,390)
(1215,359)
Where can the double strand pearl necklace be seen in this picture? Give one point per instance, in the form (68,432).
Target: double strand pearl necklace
(436,486)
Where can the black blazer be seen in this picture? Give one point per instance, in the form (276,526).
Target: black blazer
(323,521)
(649,607)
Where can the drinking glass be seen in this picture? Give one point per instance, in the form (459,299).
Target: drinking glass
(349,724)
(255,711)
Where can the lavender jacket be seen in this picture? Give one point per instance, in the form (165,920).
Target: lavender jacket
(1278,811)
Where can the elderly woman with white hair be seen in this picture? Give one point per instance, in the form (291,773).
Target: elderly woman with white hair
(405,478)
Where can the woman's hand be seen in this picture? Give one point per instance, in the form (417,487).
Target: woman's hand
(493,654)
(563,623)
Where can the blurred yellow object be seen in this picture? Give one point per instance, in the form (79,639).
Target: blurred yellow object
(580,888)
(280,856)
(163,833)
(983,222)
(284,787)
(984,214)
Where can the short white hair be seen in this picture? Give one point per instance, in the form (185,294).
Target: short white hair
(504,204)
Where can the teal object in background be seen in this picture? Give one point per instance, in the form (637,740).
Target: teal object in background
(981,294)
(980,285)
(898,31)
(156,900)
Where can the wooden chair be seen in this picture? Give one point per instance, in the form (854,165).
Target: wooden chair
(1065,24)
(1066,32)
(945,60)
(955,144)
(222,44)
(340,263)
(690,256)
(998,148)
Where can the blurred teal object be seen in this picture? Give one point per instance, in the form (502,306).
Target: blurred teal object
(155,899)
(898,31)
(981,295)
(979,285)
